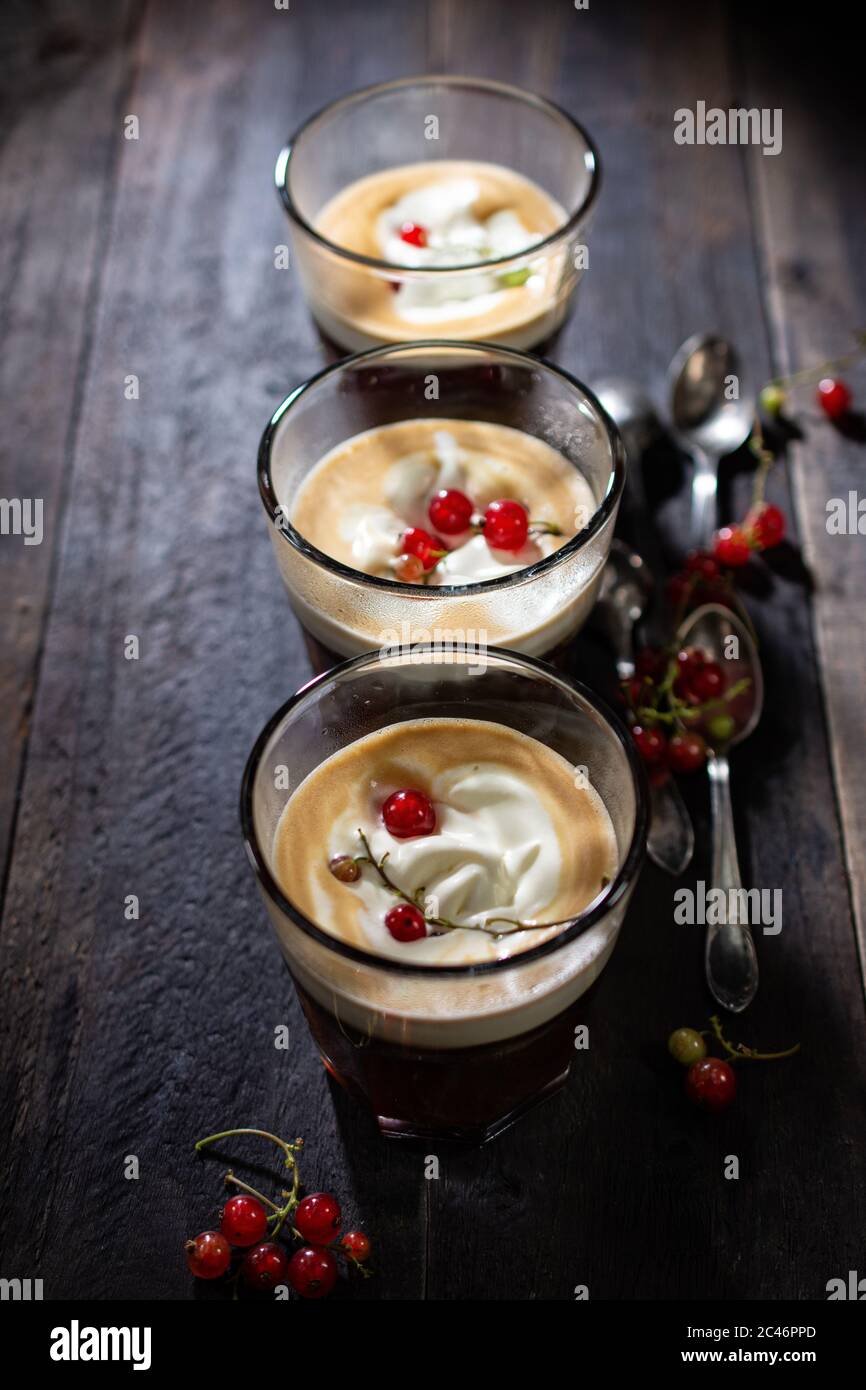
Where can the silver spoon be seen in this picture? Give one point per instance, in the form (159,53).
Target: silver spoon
(712,416)
(730,959)
(624,595)
(633,412)
(671,837)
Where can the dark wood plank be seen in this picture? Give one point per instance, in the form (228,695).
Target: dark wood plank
(63,73)
(812,214)
(621,1187)
(136,1037)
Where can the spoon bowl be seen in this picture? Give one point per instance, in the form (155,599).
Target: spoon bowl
(712,416)
(624,596)
(730,959)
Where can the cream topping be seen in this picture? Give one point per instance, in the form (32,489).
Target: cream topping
(371,531)
(518,836)
(454,236)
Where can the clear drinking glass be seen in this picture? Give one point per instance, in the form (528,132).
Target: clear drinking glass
(536,610)
(350,295)
(458,1050)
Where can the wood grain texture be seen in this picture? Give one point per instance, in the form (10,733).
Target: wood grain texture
(126,1038)
(813,231)
(63,74)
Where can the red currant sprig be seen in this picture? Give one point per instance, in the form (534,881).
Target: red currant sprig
(407,922)
(667,695)
(314,1220)
(505,524)
(711,1082)
(833,396)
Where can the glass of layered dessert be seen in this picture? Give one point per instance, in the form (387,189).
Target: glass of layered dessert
(440,492)
(444,207)
(446,854)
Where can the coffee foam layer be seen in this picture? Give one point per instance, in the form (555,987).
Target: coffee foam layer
(520,835)
(356,502)
(476,211)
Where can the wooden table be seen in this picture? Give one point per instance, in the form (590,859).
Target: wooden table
(154,258)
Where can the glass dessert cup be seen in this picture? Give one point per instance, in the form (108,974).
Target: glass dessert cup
(355,298)
(535,610)
(453,1051)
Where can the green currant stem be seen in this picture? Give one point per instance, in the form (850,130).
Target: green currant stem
(245,1187)
(287,1148)
(835,364)
(741,1053)
(695,712)
(442,922)
(765,458)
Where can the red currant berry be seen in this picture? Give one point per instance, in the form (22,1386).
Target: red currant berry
(408,813)
(427,548)
(318,1218)
(834,397)
(405,922)
(506,525)
(687,752)
(678,588)
(732,547)
(711,1084)
(415,235)
(708,682)
(244,1220)
(633,691)
(650,743)
(409,568)
(702,563)
(649,664)
(208,1255)
(312,1273)
(450,512)
(265,1267)
(689,659)
(357,1244)
(766,526)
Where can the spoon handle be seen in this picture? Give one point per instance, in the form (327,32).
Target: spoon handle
(705,484)
(730,959)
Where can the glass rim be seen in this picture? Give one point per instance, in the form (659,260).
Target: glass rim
(284,528)
(598,908)
(283,171)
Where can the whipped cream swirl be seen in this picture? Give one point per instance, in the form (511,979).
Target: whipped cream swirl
(494,853)
(374,532)
(454,237)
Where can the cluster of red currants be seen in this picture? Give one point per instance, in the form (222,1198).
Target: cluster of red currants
(504,524)
(711,1082)
(673,692)
(703,579)
(265,1264)
(763,528)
